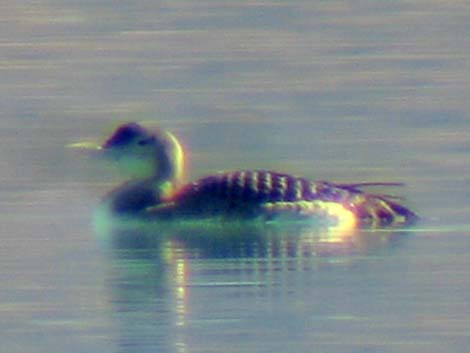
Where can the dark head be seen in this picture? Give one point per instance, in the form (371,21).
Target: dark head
(141,153)
(145,153)
(128,134)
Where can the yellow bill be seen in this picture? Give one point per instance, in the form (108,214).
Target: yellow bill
(85,145)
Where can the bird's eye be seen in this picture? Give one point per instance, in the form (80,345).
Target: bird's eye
(144,142)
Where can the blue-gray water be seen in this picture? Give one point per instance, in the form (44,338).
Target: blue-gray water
(338,90)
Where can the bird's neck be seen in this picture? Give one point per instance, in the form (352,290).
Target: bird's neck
(165,180)
(169,167)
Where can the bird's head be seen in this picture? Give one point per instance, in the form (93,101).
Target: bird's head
(143,153)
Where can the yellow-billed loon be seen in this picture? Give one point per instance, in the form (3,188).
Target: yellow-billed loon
(155,161)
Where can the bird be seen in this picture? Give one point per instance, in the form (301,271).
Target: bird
(155,162)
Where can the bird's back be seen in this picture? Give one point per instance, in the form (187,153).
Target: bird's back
(253,194)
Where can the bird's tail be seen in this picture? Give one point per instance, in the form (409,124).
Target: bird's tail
(381,211)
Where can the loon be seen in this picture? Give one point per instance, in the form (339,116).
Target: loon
(154,159)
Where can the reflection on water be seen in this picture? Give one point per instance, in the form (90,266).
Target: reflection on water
(270,242)
(155,274)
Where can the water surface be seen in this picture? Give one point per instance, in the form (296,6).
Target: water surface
(342,91)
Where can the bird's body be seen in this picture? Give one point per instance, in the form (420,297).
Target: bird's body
(264,195)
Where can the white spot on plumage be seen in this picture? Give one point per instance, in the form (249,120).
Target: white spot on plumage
(241,179)
(268,181)
(253,183)
(240,184)
(282,185)
(313,188)
(298,189)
